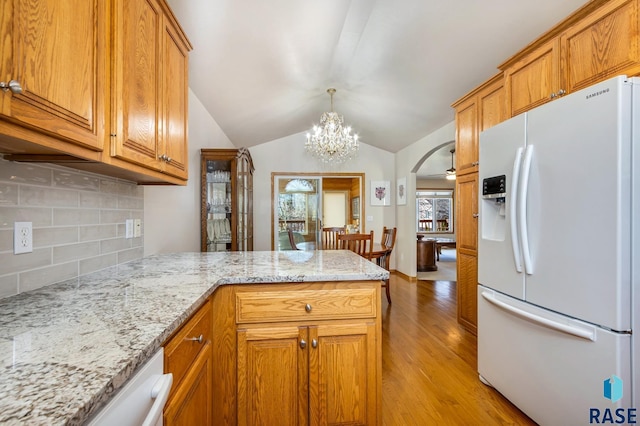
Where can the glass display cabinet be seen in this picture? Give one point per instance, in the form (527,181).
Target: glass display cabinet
(227,200)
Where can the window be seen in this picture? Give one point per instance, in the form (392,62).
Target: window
(434,210)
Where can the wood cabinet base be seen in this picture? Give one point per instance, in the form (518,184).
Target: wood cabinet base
(318,362)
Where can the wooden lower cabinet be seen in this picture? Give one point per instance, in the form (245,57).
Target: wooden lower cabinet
(467,245)
(304,354)
(299,374)
(188,355)
(191,403)
(467,291)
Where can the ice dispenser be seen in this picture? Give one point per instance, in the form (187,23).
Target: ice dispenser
(493,223)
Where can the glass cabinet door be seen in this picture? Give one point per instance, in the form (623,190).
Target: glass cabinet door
(227,179)
(219,207)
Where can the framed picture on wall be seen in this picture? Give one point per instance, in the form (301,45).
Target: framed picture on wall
(401,194)
(380,193)
(355,208)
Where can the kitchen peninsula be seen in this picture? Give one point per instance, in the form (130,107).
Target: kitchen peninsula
(67,348)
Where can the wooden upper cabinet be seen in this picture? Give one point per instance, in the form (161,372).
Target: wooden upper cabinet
(599,41)
(534,79)
(175,91)
(491,104)
(481,109)
(604,44)
(466,137)
(150,94)
(137,74)
(103,87)
(56,51)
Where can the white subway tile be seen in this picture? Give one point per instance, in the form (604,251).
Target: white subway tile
(38,278)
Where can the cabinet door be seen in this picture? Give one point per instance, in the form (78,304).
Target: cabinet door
(467,301)
(55,50)
(192,402)
(467,265)
(138,29)
(273,375)
(467,208)
(534,79)
(491,107)
(342,374)
(175,103)
(467,137)
(604,44)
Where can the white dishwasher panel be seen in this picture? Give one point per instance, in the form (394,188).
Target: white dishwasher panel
(141,400)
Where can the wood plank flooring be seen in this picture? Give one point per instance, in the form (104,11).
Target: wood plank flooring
(429,363)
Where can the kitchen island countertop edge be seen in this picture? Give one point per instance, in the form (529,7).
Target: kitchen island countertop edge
(67,348)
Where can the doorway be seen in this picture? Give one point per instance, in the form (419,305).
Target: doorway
(306,202)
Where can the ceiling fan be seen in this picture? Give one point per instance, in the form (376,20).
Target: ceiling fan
(451,173)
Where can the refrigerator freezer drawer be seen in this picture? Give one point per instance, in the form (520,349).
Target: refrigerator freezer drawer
(551,367)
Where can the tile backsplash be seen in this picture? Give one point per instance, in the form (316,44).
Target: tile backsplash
(78,223)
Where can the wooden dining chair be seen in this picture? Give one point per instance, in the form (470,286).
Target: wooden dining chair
(330,237)
(388,241)
(292,240)
(361,244)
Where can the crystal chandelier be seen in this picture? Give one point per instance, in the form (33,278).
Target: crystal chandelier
(331,142)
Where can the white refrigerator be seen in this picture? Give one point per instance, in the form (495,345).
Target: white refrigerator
(559,256)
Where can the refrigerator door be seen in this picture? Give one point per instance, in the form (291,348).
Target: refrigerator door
(578,205)
(551,367)
(499,256)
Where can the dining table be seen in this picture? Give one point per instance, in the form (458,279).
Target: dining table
(378,250)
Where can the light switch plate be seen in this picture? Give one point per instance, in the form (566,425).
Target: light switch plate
(128,228)
(137,228)
(22,237)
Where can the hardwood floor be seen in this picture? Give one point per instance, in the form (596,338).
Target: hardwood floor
(429,374)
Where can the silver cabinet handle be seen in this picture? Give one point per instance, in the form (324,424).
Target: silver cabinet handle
(13,85)
(475,215)
(303,344)
(561,92)
(195,339)
(553,95)
(307,307)
(314,343)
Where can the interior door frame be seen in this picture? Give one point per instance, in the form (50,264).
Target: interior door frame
(316,175)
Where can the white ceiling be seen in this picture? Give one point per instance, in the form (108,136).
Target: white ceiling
(262,68)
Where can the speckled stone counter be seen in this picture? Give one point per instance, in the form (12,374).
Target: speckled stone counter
(66,348)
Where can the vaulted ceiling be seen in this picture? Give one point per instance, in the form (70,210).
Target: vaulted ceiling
(262,67)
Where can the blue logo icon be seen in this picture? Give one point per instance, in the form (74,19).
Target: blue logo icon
(613,388)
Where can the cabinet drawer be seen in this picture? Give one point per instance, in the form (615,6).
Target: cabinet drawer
(182,349)
(294,305)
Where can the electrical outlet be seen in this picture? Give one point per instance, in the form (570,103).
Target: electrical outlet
(128,228)
(22,237)
(137,228)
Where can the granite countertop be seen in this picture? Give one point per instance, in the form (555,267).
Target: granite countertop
(65,348)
